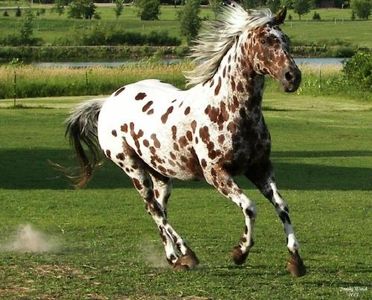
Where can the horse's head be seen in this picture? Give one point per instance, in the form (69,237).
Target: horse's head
(269,53)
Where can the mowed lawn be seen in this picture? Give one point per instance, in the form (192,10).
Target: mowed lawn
(104,246)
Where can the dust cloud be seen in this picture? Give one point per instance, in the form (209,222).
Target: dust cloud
(152,255)
(28,239)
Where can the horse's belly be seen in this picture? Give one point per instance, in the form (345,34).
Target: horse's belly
(155,152)
(170,163)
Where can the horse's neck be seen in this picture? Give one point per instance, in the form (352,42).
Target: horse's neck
(236,83)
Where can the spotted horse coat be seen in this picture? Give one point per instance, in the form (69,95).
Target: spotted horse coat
(213,131)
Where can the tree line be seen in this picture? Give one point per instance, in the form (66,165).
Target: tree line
(150,9)
(188,15)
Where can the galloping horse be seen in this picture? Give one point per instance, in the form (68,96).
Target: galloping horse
(213,131)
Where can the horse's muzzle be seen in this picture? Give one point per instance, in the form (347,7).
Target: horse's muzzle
(291,79)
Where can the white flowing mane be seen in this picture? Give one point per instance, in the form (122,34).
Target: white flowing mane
(218,36)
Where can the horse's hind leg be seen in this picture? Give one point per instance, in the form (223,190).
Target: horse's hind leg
(178,253)
(162,189)
(263,177)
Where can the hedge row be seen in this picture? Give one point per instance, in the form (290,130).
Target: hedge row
(324,51)
(86,53)
(100,36)
(97,37)
(108,53)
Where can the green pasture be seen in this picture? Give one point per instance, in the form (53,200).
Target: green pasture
(335,25)
(106,247)
(330,33)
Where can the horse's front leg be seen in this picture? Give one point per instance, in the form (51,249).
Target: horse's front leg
(262,176)
(225,184)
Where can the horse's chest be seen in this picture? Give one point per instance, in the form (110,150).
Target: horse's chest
(251,144)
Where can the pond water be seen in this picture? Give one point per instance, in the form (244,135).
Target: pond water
(321,61)
(308,61)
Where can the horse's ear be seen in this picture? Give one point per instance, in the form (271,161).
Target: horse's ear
(280,16)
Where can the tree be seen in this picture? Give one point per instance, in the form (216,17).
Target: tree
(249,4)
(301,7)
(27,28)
(59,7)
(362,8)
(352,15)
(190,21)
(79,9)
(287,3)
(119,6)
(215,6)
(148,9)
(274,5)
(18,12)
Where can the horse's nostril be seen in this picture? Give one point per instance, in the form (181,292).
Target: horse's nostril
(288,76)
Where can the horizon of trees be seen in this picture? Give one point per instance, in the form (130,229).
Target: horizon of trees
(245,3)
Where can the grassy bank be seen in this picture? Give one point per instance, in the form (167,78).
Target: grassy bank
(35,82)
(39,82)
(102,244)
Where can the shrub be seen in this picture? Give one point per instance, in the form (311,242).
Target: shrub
(343,51)
(148,9)
(352,15)
(40,11)
(96,36)
(316,16)
(162,38)
(18,12)
(358,70)
(362,8)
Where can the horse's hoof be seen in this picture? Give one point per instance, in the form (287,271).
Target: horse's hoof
(238,256)
(187,261)
(180,267)
(295,266)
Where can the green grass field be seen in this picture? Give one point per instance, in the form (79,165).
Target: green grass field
(104,245)
(53,29)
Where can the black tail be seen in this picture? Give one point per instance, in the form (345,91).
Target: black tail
(82,130)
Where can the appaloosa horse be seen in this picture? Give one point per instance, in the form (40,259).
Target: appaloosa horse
(213,131)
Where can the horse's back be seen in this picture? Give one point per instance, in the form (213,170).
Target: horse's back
(154,87)
(146,115)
